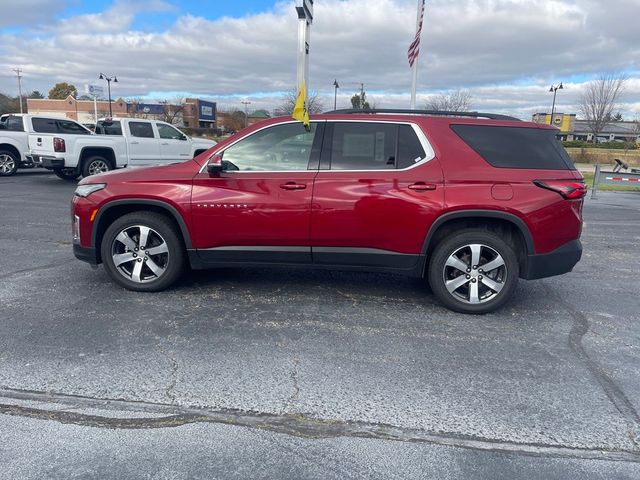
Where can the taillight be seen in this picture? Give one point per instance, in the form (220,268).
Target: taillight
(58,145)
(570,189)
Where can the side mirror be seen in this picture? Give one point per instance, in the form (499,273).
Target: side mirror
(184,137)
(215,165)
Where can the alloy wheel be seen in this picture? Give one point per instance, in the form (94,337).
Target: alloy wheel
(98,166)
(140,254)
(7,163)
(474,273)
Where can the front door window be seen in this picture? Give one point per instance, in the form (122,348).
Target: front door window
(275,149)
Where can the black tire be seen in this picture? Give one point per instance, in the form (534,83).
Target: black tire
(66,173)
(8,163)
(473,295)
(95,165)
(162,236)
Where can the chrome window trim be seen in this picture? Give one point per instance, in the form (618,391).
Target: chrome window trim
(426,146)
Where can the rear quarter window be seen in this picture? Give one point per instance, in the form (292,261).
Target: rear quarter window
(516,147)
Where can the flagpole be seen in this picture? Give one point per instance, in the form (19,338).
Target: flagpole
(414,68)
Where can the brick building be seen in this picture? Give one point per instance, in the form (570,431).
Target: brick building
(79,110)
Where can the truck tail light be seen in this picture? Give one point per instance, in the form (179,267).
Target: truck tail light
(569,189)
(59,145)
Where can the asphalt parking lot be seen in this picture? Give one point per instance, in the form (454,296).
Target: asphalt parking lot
(242,373)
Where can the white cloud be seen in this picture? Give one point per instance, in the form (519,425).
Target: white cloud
(506,51)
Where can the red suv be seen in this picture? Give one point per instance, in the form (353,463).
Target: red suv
(471,201)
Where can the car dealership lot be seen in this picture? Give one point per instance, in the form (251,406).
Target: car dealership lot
(299,373)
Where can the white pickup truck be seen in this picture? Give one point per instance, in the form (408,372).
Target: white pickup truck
(14,140)
(118,142)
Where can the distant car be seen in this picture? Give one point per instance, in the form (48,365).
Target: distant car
(121,142)
(470,201)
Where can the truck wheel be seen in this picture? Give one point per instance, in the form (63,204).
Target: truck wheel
(8,163)
(95,165)
(66,173)
(474,271)
(142,251)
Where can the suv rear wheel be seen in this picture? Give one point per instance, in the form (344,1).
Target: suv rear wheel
(142,251)
(474,271)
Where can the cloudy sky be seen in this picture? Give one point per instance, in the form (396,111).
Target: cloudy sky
(506,52)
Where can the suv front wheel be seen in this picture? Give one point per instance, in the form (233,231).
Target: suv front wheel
(142,251)
(474,271)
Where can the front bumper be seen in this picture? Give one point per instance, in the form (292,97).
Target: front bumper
(46,162)
(557,262)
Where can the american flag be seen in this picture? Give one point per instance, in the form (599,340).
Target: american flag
(414,48)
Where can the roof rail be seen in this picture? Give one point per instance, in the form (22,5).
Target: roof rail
(492,116)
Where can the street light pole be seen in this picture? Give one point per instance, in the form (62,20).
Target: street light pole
(18,72)
(109,80)
(335,93)
(554,89)
(246,112)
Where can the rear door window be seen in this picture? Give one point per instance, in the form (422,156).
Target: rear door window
(141,129)
(54,125)
(363,146)
(516,147)
(44,125)
(109,128)
(65,126)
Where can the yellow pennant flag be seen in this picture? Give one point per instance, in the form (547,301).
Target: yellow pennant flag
(300,109)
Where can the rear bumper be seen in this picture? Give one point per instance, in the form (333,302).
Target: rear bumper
(86,254)
(557,262)
(47,162)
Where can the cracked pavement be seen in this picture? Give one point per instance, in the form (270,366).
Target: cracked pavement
(290,373)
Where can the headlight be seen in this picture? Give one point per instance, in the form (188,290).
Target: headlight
(86,190)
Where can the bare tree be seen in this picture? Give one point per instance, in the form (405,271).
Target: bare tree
(456,101)
(172,111)
(314,104)
(599,99)
(232,120)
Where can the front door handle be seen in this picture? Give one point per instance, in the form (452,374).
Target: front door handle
(293,186)
(135,143)
(422,186)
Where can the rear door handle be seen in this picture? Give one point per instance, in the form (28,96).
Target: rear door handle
(422,186)
(164,143)
(293,186)
(135,143)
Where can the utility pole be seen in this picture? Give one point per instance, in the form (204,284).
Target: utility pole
(335,93)
(246,103)
(18,72)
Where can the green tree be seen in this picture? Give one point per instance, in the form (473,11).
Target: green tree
(35,94)
(62,90)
